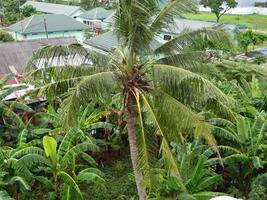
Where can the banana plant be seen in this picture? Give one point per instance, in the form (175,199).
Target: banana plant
(244,147)
(12,182)
(89,119)
(11,121)
(196,163)
(62,162)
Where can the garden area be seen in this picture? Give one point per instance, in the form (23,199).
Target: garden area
(182,120)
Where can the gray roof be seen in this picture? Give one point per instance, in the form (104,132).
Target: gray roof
(108,41)
(53,8)
(110,19)
(183,24)
(17,54)
(54,23)
(97,13)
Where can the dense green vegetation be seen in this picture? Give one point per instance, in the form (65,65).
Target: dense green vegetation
(12,13)
(169,122)
(5,37)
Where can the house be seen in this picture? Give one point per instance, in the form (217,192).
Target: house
(187,24)
(52,8)
(15,55)
(95,17)
(108,41)
(48,26)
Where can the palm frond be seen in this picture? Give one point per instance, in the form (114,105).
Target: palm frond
(165,147)
(97,87)
(58,56)
(189,88)
(190,39)
(147,151)
(175,8)
(175,117)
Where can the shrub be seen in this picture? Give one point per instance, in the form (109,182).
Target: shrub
(5,36)
(258,188)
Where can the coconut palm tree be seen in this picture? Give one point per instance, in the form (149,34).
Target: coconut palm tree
(157,98)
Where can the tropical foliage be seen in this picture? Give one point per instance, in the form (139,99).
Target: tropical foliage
(191,121)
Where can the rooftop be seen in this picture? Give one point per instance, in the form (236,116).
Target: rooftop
(54,23)
(17,54)
(53,8)
(97,13)
(108,41)
(183,24)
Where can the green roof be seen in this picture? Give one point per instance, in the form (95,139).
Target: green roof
(109,41)
(54,23)
(97,13)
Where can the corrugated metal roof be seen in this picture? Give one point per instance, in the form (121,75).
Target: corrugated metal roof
(54,23)
(17,54)
(53,8)
(183,24)
(109,41)
(97,13)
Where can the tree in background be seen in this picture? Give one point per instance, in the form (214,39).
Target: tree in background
(219,7)
(27,10)
(5,37)
(249,37)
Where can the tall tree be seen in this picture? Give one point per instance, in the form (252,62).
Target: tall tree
(219,7)
(157,98)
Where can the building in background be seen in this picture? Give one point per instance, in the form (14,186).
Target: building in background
(95,18)
(52,8)
(48,26)
(15,55)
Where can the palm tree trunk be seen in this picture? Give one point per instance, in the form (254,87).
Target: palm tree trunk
(131,123)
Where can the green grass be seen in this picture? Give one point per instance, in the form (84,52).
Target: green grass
(253,21)
(120,183)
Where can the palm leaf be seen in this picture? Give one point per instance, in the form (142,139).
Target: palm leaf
(186,86)
(99,86)
(172,9)
(147,152)
(165,148)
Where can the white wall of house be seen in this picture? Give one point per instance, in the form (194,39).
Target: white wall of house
(249,3)
(88,22)
(79,35)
